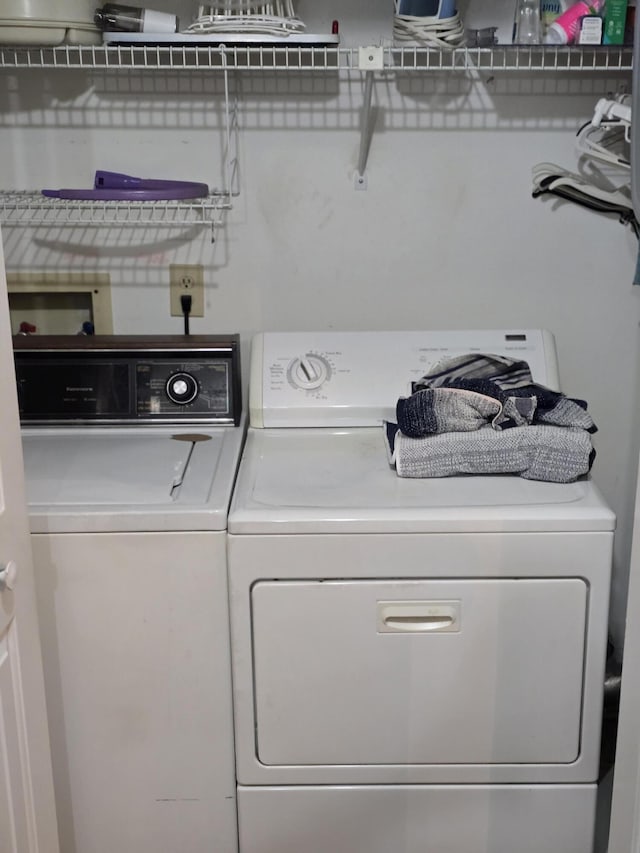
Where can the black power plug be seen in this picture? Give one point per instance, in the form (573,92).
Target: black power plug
(185,304)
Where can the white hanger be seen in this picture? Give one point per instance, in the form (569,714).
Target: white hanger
(601,138)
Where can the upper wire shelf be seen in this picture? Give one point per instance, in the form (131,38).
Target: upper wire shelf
(319,58)
(512,58)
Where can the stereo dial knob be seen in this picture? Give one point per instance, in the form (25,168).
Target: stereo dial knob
(182,388)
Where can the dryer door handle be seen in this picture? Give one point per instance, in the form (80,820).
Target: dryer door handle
(418,623)
(411,617)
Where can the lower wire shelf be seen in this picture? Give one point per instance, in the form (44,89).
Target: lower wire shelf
(28,208)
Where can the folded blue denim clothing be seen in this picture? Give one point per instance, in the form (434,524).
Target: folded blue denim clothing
(437,410)
(507,380)
(537,452)
(551,407)
(465,404)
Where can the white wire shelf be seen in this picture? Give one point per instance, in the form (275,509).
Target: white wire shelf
(178,57)
(26,208)
(309,58)
(512,58)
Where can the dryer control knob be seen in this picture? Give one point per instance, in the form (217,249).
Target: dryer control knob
(181,388)
(309,372)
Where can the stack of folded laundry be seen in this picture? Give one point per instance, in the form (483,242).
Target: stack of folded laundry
(483,414)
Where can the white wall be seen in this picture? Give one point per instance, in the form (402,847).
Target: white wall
(446,235)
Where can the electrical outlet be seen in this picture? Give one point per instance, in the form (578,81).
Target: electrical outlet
(186,279)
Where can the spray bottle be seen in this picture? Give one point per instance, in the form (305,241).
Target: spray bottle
(565,28)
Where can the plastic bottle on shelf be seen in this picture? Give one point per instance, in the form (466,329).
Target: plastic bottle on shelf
(566,26)
(134,19)
(527,24)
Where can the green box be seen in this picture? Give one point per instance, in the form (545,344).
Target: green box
(615,17)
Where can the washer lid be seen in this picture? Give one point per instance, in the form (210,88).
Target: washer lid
(339,481)
(129,479)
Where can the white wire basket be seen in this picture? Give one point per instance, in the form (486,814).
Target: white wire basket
(244,16)
(279,9)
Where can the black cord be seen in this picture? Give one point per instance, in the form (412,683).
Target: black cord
(185,302)
(582,127)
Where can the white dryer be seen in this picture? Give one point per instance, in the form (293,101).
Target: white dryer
(418,665)
(131,448)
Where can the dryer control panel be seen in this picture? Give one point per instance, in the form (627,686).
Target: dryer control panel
(327,379)
(116,380)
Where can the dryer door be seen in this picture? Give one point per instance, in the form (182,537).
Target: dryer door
(436,672)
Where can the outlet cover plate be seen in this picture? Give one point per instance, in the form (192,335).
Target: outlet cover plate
(187,279)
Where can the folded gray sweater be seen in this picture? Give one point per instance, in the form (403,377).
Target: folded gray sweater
(535,452)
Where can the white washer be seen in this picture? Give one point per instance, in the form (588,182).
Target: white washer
(129,536)
(418,664)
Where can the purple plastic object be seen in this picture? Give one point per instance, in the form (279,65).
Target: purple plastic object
(113,186)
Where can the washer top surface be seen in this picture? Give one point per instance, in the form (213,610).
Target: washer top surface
(130,479)
(339,481)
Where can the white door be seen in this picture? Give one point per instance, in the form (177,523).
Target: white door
(27,810)
(624,834)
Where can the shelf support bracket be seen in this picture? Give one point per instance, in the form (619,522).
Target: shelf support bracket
(370,59)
